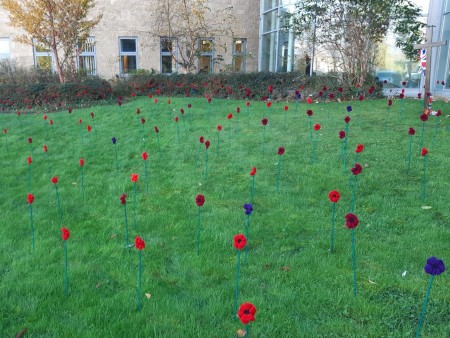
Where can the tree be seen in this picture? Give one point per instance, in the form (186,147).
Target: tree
(189,28)
(352,30)
(60,26)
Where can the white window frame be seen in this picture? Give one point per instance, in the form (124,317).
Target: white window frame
(210,53)
(121,53)
(38,54)
(88,51)
(165,53)
(242,54)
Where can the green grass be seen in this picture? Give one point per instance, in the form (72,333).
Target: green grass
(297,286)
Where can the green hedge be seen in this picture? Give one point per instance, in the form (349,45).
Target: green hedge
(54,96)
(252,86)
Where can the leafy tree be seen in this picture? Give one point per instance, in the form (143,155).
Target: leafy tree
(56,25)
(351,30)
(185,23)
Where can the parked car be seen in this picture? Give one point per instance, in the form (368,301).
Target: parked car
(389,78)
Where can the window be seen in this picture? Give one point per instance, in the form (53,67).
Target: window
(128,55)
(43,57)
(5,51)
(87,58)
(239,52)
(206,56)
(168,64)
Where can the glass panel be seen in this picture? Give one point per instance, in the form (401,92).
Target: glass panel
(206,46)
(205,64)
(238,46)
(166,64)
(89,46)
(269,4)
(128,45)
(268,56)
(237,64)
(41,49)
(166,45)
(270,21)
(44,62)
(87,64)
(128,63)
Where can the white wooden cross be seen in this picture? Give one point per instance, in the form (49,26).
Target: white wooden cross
(428,46)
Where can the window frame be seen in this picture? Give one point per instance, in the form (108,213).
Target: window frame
(121,53)
(206,54)
(242,54)
(171,53)
(91,53)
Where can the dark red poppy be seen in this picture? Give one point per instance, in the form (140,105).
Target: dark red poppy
(419,95)
(361,98)
(320,93)
(424,152)
(253,171)
(389,102)
(139,243)
(201,139)
(200,200)
(81,162)
(134,177)
(150,96)
(286,108)
(439,112)
(5,131)
(229,116)
(219,128)
(51,122)
(269,104)
(29,160)
(331,96)
(142,120)
(239,241)
(309,100)
(264,121)
(70,110)
(309,112)
(411,131)
(357,169)
(45,117)
(401,96)
(80,121)
(324,88)
(359,148)
(246,313)
(247,104)
(334,196)
(351,220)
(340,89)
(270,89)
(144,156)
(156,129)
(138,111)
(30,198)
(55,179)
(189,105)
(45,148)
(92,115)
(207,144)
(238,110)
(182,111)
(280,150)
(404,83)
(123,199)
(18,113)
(424,117)
(347,119)
(176,119)
(65,234)
(168,101)
(316,127)
(89,128)
(30,140)
(341,134)
(155,100)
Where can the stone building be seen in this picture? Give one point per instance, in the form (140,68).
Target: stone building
(123,41)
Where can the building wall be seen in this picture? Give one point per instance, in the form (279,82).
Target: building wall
(130,18)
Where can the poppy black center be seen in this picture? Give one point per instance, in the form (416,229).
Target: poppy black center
(246,312)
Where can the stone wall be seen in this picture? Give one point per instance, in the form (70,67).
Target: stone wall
(131,18)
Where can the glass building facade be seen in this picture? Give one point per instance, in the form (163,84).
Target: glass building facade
(276,48)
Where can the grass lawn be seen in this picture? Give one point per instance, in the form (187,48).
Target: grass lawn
(300,288)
